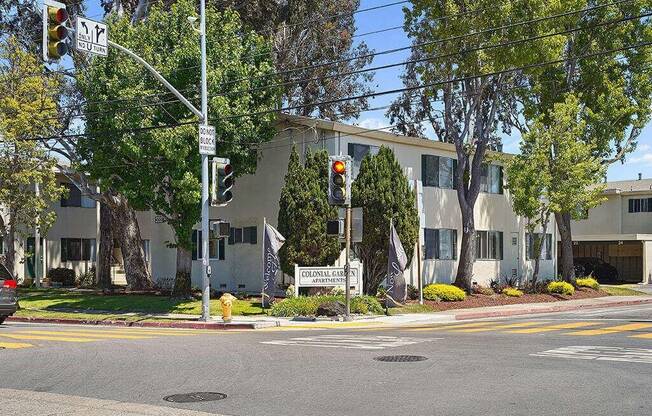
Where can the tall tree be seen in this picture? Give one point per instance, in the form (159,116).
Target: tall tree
(159,168)
(25,90)
(465,75)
(608,74)
(303,213)
(384,193)
(555,171)
(305,34)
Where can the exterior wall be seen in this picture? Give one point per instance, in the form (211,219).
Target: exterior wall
(635,222)
(606,218)
(647,262)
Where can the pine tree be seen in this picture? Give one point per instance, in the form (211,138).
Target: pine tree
(303,213)
(384,193)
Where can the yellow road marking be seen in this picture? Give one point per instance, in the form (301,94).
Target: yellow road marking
(139,332)
(85,334)
(497,327)
(610,330)
(645,336)
(553,328)
(49,338)
(453,326)
(13,345)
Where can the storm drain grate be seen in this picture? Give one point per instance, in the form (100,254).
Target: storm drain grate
(400,358)
(205,396)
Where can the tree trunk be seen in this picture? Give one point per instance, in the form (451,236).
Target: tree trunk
(467,252)
(10,254)
(105,252)
(127,231)
(564,225)
(182,282)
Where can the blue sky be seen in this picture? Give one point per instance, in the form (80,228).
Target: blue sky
(638,161)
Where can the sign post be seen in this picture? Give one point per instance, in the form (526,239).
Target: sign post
(91,36)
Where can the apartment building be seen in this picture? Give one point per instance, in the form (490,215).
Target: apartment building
(503,248)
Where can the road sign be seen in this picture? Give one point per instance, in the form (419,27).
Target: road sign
(206,140)
(356,224)
(91,36)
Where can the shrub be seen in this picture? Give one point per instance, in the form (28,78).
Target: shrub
(412,292)
(587,282)
(62,275)
(563,288)
(337,291)
(482,290)
(289,292)
(307,305)
(86,279)
(381,292)
(510,291)
(447,293)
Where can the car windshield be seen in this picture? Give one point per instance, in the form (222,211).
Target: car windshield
(4,273)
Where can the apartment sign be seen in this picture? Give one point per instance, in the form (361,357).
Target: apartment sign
(91,36)
(206,140)
(327,277)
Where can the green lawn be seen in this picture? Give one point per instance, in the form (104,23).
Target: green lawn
(412,308)
(621,291)
(52,299)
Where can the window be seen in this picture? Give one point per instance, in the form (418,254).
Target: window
(146,251)
(75,198)
(489,245)
(491,179)
(438,171)
(250,235)
(440,244)
(547,248)
(640,205)
(357,153)
(78,249)
(215,246)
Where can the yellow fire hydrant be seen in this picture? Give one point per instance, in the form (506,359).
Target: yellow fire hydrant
(227,304)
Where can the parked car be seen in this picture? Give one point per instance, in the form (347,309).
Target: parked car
(8,296)
(601,270)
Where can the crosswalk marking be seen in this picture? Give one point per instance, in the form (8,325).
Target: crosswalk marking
(453,326)
(359,342)
(17,335)
(496,327)
(14,345)
(600,353)
(555,327)
(610,329)
(86,334)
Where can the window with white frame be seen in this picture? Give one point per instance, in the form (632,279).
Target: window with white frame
(489,245)
(440,244)
(530,249)
(438,171)
(640,205)
(78,249)
(358,152)
(491,179)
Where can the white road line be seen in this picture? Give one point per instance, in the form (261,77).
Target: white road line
(350,341)
(600,353)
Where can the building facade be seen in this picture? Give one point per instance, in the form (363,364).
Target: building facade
(502,245)
(619,231)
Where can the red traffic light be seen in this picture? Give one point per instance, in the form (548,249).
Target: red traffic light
(228,169)
(57,15)
(339,167)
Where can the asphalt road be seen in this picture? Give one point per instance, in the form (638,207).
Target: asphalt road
(596,362)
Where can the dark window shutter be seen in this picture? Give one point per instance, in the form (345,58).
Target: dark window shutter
(238,235)
(351,149)
(64,249)
(430,241)
(86,249)
(500,179)
(437,243)
(631,205)
(231,236)
(220,251)
(500,245)
(649,205)
(254,234)
(454,243)
(194,245)
(455,175)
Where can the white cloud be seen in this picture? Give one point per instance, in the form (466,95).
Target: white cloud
(373,123)
(645,158)
(643,147)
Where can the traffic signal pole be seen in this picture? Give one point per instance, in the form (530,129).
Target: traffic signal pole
(347,265)
(206,289)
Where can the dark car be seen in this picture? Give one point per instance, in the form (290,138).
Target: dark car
(8,296)
(598,268)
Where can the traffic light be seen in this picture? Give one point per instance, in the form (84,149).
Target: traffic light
(339,180)
(55,32)
(222,182)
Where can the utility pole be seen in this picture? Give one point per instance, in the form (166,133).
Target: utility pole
(37,243)
(206,269)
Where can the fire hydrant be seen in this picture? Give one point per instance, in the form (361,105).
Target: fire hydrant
(227,304)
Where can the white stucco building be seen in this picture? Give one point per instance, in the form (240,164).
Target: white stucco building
(236,261)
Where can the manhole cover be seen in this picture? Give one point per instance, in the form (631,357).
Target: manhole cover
(205,396)
(400,358)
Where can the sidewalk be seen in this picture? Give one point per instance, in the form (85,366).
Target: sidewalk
(260,322)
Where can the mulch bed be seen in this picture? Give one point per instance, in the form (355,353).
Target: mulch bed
(478,300)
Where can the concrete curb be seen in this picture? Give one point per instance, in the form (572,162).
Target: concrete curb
(550,309)
(145,324)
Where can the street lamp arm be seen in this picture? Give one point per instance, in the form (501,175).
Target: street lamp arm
(160,78)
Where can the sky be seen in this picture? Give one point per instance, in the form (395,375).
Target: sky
(639,161)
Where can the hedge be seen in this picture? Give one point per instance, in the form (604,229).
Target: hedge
(307,305)
(447,293)
(563,288)
(510,291)
(587,282)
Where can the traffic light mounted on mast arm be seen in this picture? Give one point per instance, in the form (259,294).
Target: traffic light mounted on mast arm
(55,33)
(222,175)
(339,180)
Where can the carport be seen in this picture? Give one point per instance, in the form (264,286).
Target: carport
(630,254)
